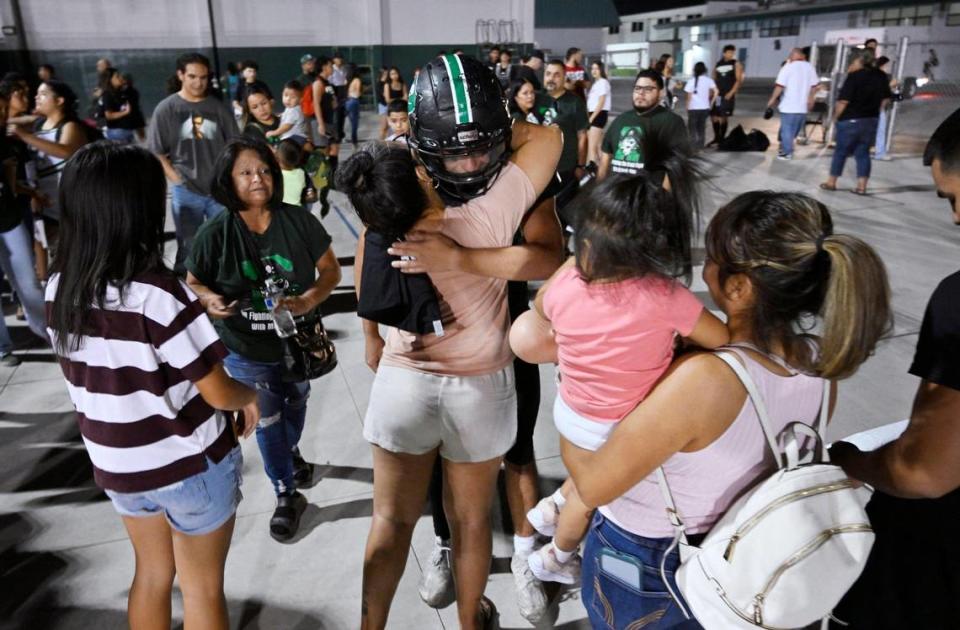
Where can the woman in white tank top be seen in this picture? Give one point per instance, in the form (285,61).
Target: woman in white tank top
(773,262)
(57,137)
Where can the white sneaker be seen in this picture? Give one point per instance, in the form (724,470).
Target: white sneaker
(544,564)
(436,584)
(544,516)
(784,156)
(531,599)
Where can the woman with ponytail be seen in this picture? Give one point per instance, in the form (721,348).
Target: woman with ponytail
(775,268)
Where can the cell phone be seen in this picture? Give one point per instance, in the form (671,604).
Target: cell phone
(622,567)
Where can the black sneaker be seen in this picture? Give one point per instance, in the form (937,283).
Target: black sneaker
(302,469)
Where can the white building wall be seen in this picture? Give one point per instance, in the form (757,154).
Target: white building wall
(123,24)
(556,41)
(763,59)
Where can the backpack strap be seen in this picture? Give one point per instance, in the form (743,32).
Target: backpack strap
(754,394)
(679,538)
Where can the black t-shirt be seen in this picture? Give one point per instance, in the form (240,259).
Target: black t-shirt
(570,114)
(634,139)
(726,75)
(864,90)
(937,358)
(10,215)
(115,101)
(256,130)
(328,99)
(527,74)
(380,98)
(916,537)
(393,298)
(132,96)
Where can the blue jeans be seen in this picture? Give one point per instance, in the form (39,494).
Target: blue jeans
(190,210)
(854,137)
(283,409)
(881,141)
(123,136)
(16,261)
(353,113)
(790,126)
(621,585)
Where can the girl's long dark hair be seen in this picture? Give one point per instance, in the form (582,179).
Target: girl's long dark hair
(112,214)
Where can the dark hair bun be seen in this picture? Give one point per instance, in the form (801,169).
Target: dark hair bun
(351,176)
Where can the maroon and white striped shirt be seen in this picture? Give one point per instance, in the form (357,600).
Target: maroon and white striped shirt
(142,419)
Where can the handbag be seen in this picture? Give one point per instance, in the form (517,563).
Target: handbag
(309,353)
(787,551)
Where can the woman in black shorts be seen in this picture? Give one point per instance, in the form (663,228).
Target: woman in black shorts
(598,104)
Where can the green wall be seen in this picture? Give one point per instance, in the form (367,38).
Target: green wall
(152,67)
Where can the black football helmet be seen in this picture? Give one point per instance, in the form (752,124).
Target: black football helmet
(459,125)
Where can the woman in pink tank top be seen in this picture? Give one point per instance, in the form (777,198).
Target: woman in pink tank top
(773,264)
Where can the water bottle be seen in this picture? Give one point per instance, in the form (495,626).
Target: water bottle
(283,321)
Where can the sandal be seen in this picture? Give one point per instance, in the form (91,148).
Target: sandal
(490,617)
(286,518)
(826,186)
(860,191)
(302,470)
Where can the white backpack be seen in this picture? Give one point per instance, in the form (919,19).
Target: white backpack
(788,550)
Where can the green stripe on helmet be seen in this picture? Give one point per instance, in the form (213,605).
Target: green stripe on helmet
(458,88)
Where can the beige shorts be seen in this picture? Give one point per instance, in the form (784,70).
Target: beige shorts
(470,418)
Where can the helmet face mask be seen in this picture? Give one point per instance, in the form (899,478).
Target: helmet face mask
(460,128)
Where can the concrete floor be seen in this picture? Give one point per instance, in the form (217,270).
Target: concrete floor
(65,561)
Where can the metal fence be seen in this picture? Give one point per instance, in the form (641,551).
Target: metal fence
(927,76)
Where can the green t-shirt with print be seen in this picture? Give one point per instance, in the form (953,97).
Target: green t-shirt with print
(629,137)
(290,248)
(568,112)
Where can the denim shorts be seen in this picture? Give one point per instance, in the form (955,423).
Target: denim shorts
(195,506)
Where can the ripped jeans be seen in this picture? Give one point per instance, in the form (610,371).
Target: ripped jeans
(283,409)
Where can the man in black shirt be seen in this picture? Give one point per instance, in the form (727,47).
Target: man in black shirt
(558,106)
(728,75)
(913,567)
(648,130)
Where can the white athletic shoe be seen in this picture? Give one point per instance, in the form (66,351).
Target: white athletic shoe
(544,565)
(544,516)
(436,584)
(531,599)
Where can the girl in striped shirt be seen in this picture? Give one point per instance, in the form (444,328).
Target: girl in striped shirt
(143,367)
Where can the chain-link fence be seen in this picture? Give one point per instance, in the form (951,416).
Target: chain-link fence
(925,77)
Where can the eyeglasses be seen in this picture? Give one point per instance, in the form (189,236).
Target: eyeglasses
(645,89)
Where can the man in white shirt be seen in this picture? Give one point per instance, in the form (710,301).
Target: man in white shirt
(796,86)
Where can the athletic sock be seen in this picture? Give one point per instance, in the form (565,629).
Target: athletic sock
(562,556)
(523,544)
(559,499)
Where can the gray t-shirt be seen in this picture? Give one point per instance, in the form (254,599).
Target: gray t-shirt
(192,135)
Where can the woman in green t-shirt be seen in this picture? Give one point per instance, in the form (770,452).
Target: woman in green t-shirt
(298,262)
